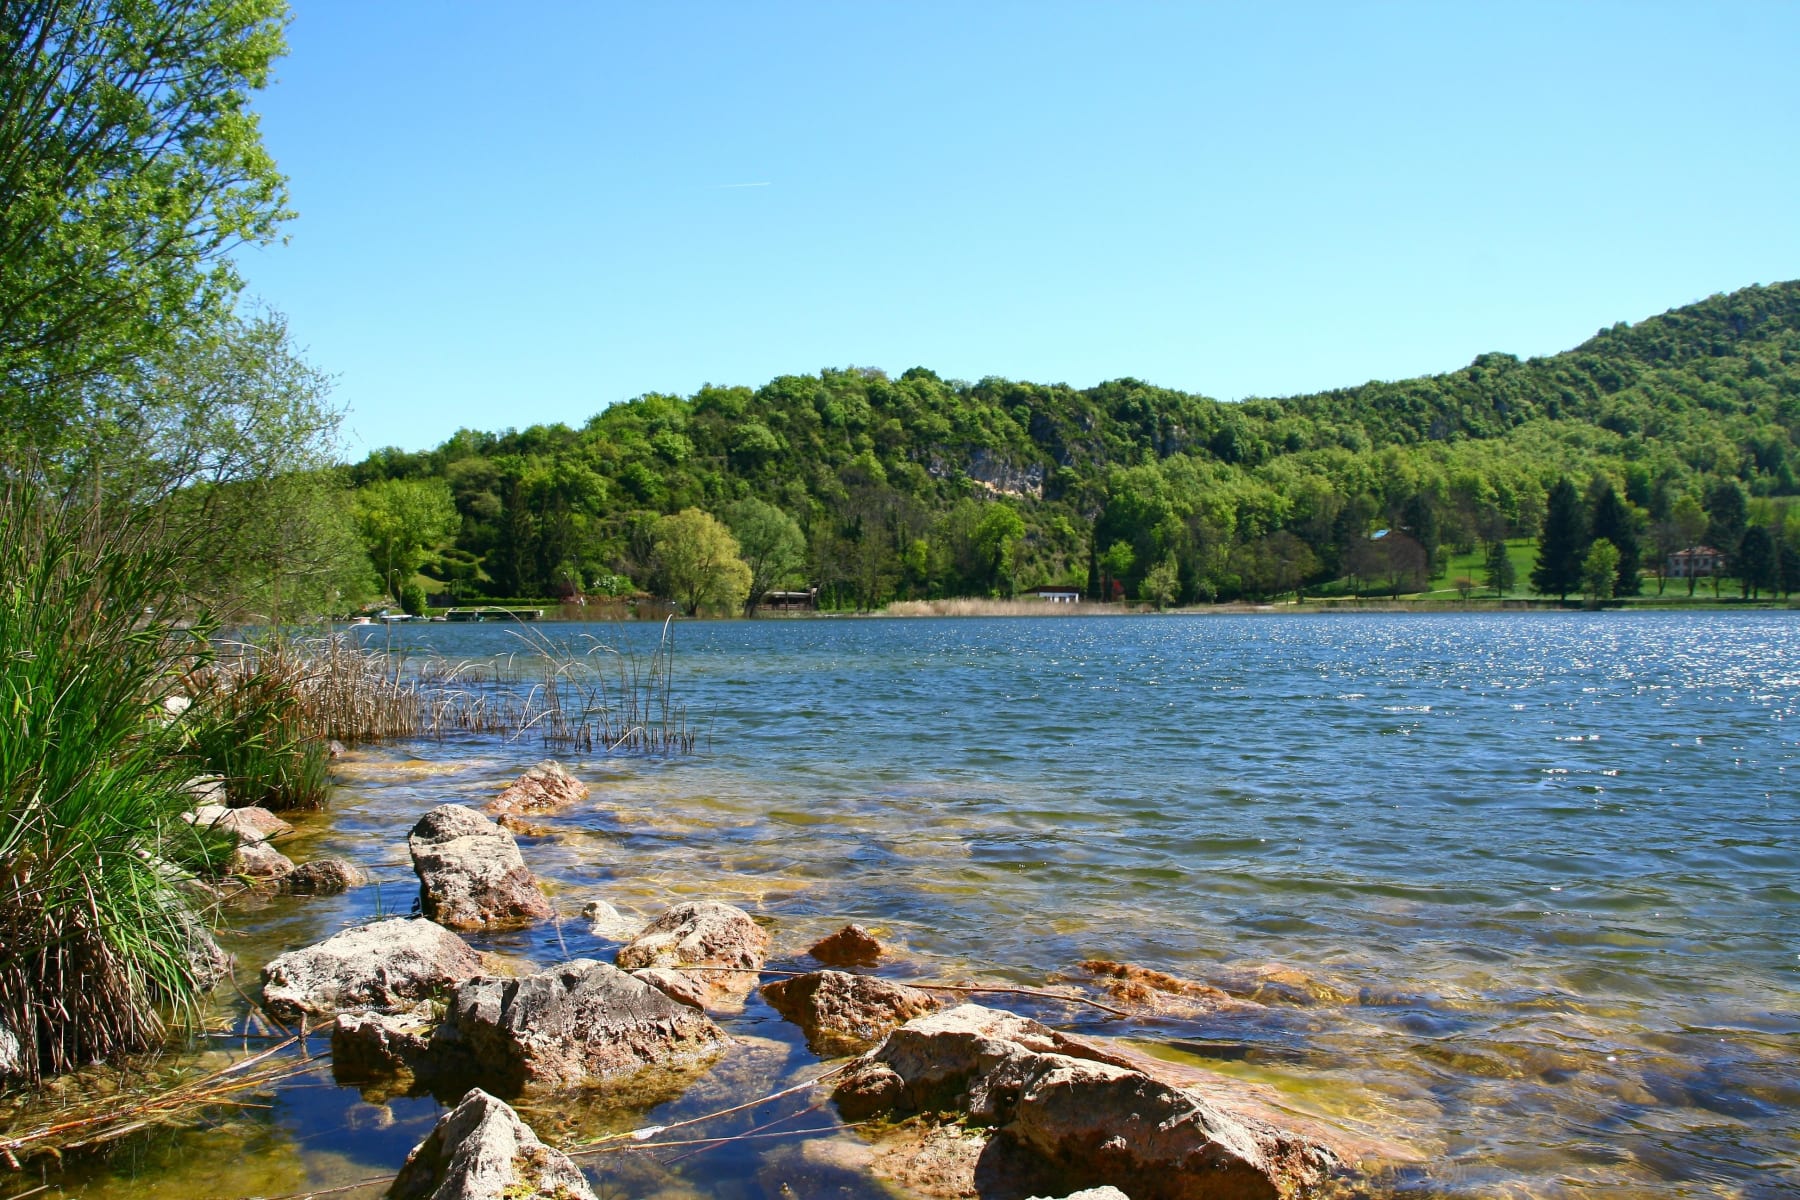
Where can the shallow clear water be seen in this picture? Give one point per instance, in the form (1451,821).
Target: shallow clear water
(1548,862)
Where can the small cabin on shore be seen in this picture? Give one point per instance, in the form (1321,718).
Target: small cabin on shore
(1056,593)
(790,601)
(1696,562)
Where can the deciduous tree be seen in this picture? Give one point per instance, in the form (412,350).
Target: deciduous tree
(697,563)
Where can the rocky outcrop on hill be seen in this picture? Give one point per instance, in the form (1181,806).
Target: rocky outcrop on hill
(704,934)
(1066,1113)
(576,1023)
(544,788)
(471,875)
(481,1150)
(845,1014)
(386,966)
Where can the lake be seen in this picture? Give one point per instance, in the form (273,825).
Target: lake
(1540,874)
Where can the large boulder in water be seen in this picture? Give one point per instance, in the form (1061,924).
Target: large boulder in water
(1069,1113)
(544,788)
(845,1014)
(389,966)
(481,1150)
(576,1023)
(851,946)
(470,873)
(722,940)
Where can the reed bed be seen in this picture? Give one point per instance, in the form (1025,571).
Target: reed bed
(580,694)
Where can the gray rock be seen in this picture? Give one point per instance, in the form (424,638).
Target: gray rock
(368,1045)
(388,966)
(323,877)
(1079,1114)
(544,788)
(845,1014)
(249,824)
(608,922)
(481,1150)
(259,860)
(1099,1193)
(682,989)
(705,934)
(576,1023)
(470,873)
(12,1057)
(851,946)
(206,789)
(207,961)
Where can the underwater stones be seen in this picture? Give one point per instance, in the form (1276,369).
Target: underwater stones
(259,860)
(323,877)
(608,922)
(544,788)
(470,873)
(248,824)
(481,1150)
(851,946)
(722,940)
(845,1014)
(1274,983)
(387,966)
(1078,1115)
(578,1022)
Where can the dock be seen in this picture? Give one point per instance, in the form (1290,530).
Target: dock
(493,612)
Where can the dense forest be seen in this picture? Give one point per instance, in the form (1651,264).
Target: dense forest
(874,488)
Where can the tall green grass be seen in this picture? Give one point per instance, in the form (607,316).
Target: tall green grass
(96,935)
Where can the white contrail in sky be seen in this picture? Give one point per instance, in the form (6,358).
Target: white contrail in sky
(719,187)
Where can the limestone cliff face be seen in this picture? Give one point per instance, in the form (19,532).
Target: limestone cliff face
(996,474)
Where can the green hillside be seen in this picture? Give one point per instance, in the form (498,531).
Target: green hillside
(917,486)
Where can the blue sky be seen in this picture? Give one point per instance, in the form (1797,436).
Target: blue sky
(521,214)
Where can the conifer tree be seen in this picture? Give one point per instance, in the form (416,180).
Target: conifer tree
(1563,544)
(1614,521)
(1498,568)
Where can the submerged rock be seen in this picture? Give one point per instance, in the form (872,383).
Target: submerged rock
(481,1150)
(578,1022)
(259,860)
(207,961)
(1068,1113)
(608,922)
(845,1014)
(851,946)
(368,1045)
(387,966)
(706,934)
(544,788)
(470,873)
(249,824)
(1274,983)
(323,877)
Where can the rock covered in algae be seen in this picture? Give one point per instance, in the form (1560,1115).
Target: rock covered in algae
(1069,1113)
(578,1022)
(845,1014)
(544,788)
(387,966)
(481,1150)
(471,875)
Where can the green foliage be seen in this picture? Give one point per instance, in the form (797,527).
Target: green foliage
(96,934)
(1600,570)
(251,725)
(130,166)
(1564,543)
(402,521)
(772,545)
(1497,569)
(697,562)
(908,487)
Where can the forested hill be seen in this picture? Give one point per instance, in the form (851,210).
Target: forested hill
(916,485)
